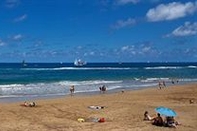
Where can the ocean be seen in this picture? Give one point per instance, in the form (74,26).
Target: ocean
(54,79)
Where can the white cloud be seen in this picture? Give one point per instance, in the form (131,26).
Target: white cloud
(124,2)
(38,43)
(92,53)
(171,11)
(143,49)
(146,49)
(128,49)
(79,47)
(17,37)
(124,48)
(20,18)
(2,43)
(188,29)
(121,23)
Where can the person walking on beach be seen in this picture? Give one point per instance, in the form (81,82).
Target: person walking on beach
(160,85)
(72,89)
(164,84)
(172,81)
(102,88)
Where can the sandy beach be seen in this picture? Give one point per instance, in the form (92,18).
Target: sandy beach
(122,112)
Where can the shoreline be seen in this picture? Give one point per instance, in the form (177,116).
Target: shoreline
(91,93)
(124,111)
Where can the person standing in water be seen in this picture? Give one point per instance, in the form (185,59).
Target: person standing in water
(160,85)
(164,84)
(72,89)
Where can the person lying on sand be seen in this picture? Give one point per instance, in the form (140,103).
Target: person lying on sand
(96,107)
(30,104)
(147,117)
(170,122)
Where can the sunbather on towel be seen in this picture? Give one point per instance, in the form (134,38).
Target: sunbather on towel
(96,107)
(29,104)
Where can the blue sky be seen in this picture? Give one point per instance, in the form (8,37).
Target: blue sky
(98,30)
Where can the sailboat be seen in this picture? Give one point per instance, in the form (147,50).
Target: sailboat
(24,64)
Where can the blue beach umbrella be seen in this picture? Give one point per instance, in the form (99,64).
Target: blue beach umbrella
(165,111)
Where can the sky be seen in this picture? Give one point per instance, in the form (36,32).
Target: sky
(98,30)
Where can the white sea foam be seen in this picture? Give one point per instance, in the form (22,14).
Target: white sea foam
(194,67)
(162,67)
(52,88)
(154,79)
(61,88)
(93,82)
(188,80)
(11,85)
(81,68)
(94,68)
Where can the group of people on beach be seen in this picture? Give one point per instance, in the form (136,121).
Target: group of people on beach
(102,89)
(175,81)
(169,121)
(162,84)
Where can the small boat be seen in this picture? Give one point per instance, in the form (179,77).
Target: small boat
(79,62)
(24,64)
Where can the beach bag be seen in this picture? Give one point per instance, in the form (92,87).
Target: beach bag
(101,120)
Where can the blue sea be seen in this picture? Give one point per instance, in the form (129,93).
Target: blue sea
(54,79)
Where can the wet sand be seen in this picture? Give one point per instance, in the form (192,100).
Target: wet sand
(122,112)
